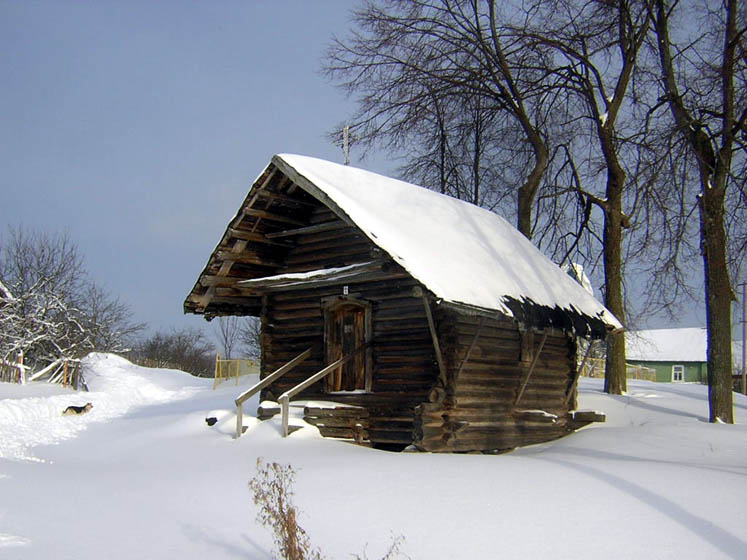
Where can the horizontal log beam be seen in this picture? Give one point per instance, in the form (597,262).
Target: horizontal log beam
(223,282)
(287,199)
(239,258)
(317,228)
(264,214)
(236,233)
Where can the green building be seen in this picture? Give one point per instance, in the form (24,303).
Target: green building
(677,355)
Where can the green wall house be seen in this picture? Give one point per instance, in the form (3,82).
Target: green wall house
(677,355)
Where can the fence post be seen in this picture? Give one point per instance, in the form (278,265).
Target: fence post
(217,369)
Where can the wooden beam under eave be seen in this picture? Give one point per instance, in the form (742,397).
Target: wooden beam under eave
(232,300)
(224,269)
(245,235)
(208,280)
(239,258)
(264,214)
(316,228)
(204,299)
(277,197)
(235,291)
(260,188)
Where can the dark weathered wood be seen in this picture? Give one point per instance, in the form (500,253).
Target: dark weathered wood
(244,258)
(272,216)
(588,416)
(531,369)
(245,235)
(317,228)
(471,349)
(572,387)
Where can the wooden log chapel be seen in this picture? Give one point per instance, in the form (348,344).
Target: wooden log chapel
(426,320)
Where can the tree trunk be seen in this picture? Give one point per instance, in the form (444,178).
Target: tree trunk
(714,166)
(718,305)
(615,378)
(528,191)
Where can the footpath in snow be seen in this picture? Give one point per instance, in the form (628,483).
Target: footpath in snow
(143,476)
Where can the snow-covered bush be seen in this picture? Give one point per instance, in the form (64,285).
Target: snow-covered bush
(49,308)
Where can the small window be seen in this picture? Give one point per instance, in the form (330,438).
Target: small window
(678,373)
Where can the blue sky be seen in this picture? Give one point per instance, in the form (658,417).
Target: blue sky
(138,127)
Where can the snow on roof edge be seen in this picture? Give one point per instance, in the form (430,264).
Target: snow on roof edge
(313,170)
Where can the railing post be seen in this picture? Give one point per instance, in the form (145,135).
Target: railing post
(284,403)
(274,376)
(239,420)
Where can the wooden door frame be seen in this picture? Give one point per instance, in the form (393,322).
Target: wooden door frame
(331,304)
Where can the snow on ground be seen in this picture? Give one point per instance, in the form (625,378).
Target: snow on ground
(143,476)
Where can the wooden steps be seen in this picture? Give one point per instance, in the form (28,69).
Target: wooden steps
(354,424)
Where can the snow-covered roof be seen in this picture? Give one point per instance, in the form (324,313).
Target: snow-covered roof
(462,253)
(667,345)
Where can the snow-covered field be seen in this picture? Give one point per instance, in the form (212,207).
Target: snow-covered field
(143,476)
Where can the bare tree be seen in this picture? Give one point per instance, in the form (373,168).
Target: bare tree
(251,333)
(418,64)
(108,320)
(186,349)
(595,48)
(49,309)
(228,332)
(703,76)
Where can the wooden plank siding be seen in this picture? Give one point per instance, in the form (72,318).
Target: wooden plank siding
(402,359)
(479,409)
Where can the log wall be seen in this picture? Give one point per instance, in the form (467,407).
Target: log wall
(403,364)
(479,409)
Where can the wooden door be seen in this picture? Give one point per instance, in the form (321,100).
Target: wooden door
(346,331)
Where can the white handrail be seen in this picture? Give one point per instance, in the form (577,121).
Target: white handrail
(261,385)
(284,399)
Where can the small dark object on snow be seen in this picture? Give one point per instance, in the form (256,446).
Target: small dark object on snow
(74,410)
(211,420)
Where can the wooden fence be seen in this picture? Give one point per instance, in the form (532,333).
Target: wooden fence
(595,367)
(12,372)
(233,368)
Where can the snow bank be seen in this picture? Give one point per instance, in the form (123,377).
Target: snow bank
(157,482)
(116,386)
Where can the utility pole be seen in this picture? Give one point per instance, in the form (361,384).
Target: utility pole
(744,338)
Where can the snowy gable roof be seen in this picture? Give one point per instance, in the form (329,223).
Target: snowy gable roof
(463,254)
(667,345)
